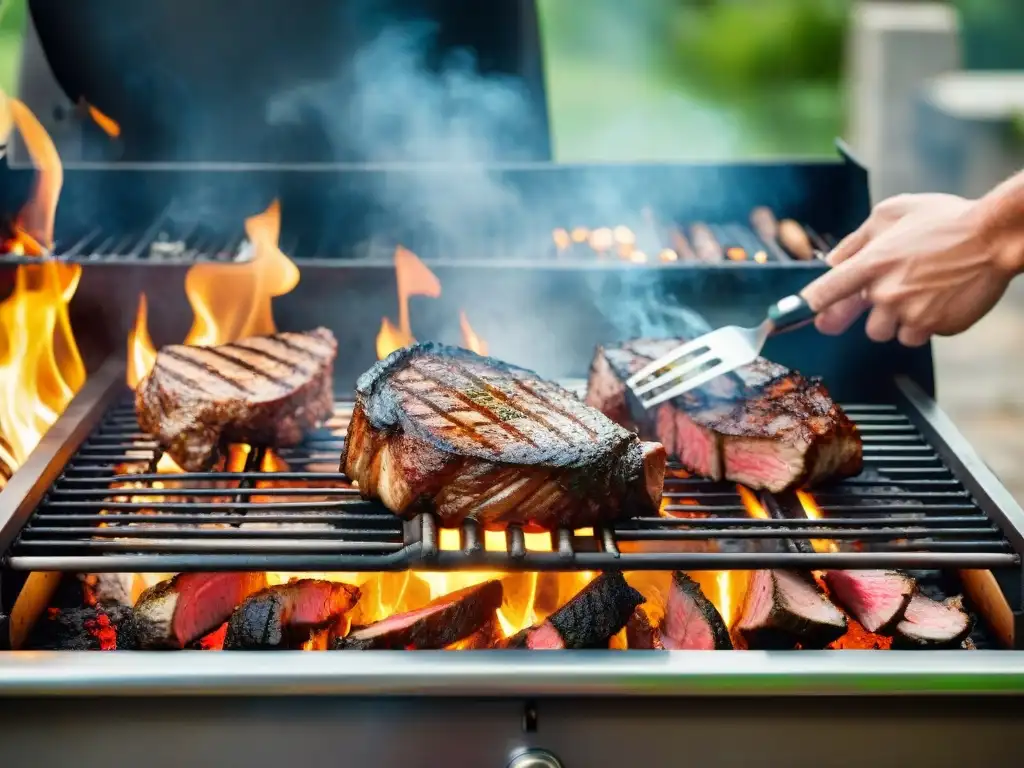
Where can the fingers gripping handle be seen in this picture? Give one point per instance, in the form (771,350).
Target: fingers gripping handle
(790,313)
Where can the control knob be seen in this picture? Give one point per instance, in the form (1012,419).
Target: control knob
(535,758)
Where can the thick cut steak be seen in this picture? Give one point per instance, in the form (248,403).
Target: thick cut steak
(928,623)
(179,611)
(877,599)
(441,429)
(438,624)
(264,390)
(764,426)
(692,622)
(783,608)
(641,633)
(285,615)
(588,620)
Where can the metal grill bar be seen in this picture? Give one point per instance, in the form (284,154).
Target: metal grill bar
(109,510)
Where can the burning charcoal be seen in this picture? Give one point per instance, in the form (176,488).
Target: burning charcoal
(691,620)
(588,620)
(641,634)
(92,628)
(438,624)
(783,608)
(179,611)
(285,615)
(876,599)
(928,623)
(111,588)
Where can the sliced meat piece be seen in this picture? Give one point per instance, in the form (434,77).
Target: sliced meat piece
(783,608)
(641,634)
(928,623)
(876,599)
(442,429)
(438,624)
(692,622)
(488,636)
(264,390)
(111,588)
(284,616)
(90,628)
(588,620)
(180,610)
(764,426)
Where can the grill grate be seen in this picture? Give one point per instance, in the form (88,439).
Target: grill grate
(109,511)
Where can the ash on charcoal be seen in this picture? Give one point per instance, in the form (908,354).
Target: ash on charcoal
(89,628)
(286,615)
(438,624)
(588,620)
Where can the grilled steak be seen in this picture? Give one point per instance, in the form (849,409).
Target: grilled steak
(588,620)
(438,624)
(90,628)
(928,623)
(692,623)
(764,426)
(442,429)
(264,390)
(284,616)
(783,608)
(641,633)
(877,599)
(179,611)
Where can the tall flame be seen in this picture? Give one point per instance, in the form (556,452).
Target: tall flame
(106,123)
(40,365)
(229,301)
(470,339)
(813,512)
(414,278)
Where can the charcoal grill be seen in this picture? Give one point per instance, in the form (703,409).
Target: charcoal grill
(926,503)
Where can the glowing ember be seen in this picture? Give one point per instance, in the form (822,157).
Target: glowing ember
(761,257)
(414,278)
(601,239)
(470,339)
(638,257)
(580,234)
(107,124)
(668,255)
(40,365)
(736,254)
(223,314)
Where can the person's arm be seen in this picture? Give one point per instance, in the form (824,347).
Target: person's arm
(924,265)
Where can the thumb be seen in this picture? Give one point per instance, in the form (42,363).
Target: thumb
(843,280)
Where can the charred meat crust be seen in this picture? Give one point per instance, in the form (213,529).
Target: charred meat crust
(878,600)
(591,617)
(761,407)
(685,588)
(264,390)
(440,623)
(442,429)
(276,617)
(641,634)
(787,623)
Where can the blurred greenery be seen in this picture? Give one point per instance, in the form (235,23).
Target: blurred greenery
(12,24)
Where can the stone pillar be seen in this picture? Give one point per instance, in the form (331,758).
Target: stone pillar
(894,48)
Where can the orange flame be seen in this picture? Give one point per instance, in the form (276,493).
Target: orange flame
(751,503)
(813,512)
(225,314)
(40,365)
(414,278)
(736,254)
(106,123)
(470,339)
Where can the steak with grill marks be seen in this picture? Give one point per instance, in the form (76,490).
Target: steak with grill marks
(764,425)
(264,390)
(442,429)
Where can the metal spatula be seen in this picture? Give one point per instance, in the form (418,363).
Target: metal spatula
(694,364)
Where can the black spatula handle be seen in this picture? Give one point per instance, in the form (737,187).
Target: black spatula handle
(790,313)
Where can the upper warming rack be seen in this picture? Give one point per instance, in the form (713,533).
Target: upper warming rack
(111,507)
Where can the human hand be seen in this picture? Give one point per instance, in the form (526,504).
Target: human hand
(924,264)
